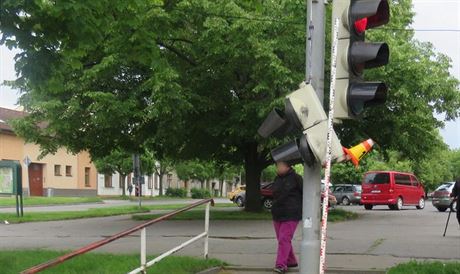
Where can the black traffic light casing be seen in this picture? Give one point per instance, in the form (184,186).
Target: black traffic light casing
(303,113)
(355,55)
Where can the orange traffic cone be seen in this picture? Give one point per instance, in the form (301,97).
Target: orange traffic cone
(356,153)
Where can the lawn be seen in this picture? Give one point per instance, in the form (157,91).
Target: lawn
(29,201)
(70,215)
(14,261)
(335,215)
(427,267)
(91,213)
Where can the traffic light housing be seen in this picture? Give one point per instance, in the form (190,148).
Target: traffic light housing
(354,55)
(303,113)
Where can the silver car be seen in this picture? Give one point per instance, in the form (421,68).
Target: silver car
(441,197)
(347,194)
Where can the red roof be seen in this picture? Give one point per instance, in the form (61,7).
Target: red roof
(7,115)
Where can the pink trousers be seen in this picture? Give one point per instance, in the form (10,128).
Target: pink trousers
(284,234)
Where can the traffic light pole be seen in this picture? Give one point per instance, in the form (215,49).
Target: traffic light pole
(314,72)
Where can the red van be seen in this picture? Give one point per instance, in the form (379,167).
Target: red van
(392,188)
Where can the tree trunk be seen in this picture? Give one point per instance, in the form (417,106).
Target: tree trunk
(160,192)
(253,174)
(123,184)
(221,187)
(187,187)
(202,184)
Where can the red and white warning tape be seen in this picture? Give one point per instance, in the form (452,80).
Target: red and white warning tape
(322,258)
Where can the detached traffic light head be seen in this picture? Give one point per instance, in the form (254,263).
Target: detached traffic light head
(354,55)
(303,112)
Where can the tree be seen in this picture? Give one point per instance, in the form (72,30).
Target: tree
(161,169)
(454,160)
(117,161)
(195,170)
(92,74)
(199,76)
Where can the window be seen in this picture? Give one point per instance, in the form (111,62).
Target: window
(87,171)
(377,178)
(401,179)
(156,181)
(339,189)
(150,182)
(120,181)
(169,180)
(57,170)
(68,171)
(107,180)
(414,181)
(348,189)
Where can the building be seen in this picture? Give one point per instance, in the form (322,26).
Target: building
(110,185)
(60,174)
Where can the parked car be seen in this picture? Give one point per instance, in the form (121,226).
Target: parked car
(392,188)
(266,191)
(347,194)
(441,197)
(234,193)
(267,195)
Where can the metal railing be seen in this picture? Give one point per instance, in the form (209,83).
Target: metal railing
(143,250)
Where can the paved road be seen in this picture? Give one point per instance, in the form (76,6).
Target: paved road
(105,203)
(379,239)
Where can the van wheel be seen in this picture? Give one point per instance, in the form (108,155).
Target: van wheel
(345,201)
(399,203)
(421,203)
(368,207)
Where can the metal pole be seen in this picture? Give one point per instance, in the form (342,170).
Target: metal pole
(143,250)
(206,230)
(310,246)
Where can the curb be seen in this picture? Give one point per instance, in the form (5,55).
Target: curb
(216,270)
(213,270)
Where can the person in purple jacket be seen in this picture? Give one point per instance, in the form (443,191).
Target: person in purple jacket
(286,213)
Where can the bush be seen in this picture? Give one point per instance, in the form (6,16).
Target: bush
(176,192)
(198,193)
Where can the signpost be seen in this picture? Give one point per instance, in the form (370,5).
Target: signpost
(11,182)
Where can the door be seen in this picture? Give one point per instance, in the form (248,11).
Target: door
(36,179)
(338,193)
(418,190)
(404,188)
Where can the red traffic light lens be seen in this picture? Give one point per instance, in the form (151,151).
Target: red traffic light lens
(361,25)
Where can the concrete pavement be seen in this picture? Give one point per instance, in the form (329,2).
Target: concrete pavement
(379,239)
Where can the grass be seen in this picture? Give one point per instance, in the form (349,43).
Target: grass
(70,215)
(90,213)
(14,261)
(335,215)
(144,198)
(29,201)
(427,267)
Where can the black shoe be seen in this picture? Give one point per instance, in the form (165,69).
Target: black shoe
(279,270)
(292,265)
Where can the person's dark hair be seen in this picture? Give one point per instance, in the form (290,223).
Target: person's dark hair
(457,180)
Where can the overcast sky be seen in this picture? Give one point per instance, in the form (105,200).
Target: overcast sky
(441,15)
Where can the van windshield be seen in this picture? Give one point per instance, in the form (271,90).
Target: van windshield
(377,178)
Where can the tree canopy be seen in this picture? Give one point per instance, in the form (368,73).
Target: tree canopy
(195,78)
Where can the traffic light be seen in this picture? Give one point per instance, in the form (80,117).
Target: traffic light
(303,113)
(354,55)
